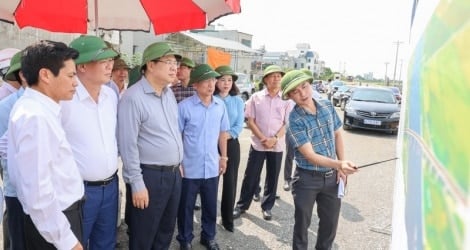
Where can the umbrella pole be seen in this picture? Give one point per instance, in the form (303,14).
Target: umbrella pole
(96,18)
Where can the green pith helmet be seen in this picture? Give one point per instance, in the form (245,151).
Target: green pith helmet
(272,69)
(291,80)
(157,50)
(15,65)
(91,49)
(226,70)
(188,62)
(120,64)
(307,72)
(202,72)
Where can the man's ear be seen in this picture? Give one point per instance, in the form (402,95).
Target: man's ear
(45,75)
(22,78)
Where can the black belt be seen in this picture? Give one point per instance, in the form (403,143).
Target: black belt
(101,182)
(163,168)
(325,174)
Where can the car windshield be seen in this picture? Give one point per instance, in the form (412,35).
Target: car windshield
(395,90)
(337,84)
(373,95)
(343,88)
(242,79)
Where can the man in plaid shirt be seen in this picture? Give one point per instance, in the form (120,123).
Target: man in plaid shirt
(181,88)
(314,130)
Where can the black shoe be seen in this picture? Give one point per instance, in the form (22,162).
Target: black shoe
(278,197)
(186,246)
(210,244)
(237,212)
(197,206)
(256,197)
(267,215)
(228,227)
(286,186)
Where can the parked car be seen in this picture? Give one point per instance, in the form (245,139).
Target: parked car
(372,108)
(246,87)
(333,87)
(338,95)
(397,93)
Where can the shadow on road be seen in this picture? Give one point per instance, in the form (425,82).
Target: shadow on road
(350,212)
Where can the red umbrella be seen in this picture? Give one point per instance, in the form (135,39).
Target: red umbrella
(78,16)
(218,8)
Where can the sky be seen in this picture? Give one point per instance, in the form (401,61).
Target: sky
(354,36)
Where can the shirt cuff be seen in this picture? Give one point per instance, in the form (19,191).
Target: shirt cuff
(68,242)
(137,186)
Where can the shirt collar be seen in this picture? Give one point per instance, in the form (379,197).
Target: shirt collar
(265,92)
(45,100)
(148,89)
(318,106)
(197,100)
(83,94)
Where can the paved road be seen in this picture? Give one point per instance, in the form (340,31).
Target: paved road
(366,209)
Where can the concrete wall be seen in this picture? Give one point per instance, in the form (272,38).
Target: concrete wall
(12,37)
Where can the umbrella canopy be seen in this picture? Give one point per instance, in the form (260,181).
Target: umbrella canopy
(79,16)
(218,8)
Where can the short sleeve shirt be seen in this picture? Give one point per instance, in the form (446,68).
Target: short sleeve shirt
(317,129)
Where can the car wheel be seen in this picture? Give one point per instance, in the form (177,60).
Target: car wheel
(342,105)
(335,102)
(245,97)
(345,126)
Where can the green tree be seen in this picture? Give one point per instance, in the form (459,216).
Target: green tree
(327,73)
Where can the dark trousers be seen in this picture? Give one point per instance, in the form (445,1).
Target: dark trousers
(34,240)
(15,223)
(127,209)
(100,216)
(229,188)
(207,189)
(288,161)
(309,187)
(153,227)
(251,179)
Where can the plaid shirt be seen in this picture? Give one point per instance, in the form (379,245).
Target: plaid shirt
(182,92)
(317,129)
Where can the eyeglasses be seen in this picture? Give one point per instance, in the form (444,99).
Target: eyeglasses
(169,62)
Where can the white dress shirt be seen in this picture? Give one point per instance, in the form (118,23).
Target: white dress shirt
(42,167)
(90,128)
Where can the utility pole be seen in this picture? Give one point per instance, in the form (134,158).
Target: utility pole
(396,59)
(385,78)
(399,76)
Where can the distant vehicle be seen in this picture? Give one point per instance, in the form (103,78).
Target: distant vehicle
(338,95)
(333,87)
(318,86)
(372,108)
(246,87)
(396,92)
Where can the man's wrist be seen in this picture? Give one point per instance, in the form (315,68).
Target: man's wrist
(224,158)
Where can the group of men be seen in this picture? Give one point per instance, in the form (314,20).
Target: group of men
(63,131)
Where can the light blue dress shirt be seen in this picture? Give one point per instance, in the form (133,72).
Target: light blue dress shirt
(201,126)
(6,106)
(236,115)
